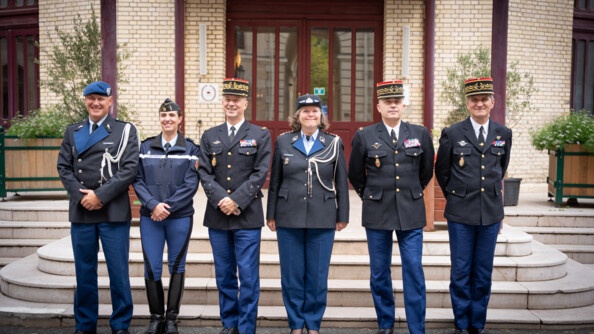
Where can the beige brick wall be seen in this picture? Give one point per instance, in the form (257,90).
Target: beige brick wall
(539,39)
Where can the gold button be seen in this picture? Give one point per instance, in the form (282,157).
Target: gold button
(228,153)
(498,153)
(397,177)
(228,191)
(415,154)
(483,167)
(397,190)
(453,191)
(397,165)
(82,182)
(483,178)
(228,179)
(395,152)
(482,156)
(79,160)
(228,166)
(247,153)
(370,196)
(80,171)
(483,189)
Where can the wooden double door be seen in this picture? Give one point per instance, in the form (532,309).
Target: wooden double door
(336,56)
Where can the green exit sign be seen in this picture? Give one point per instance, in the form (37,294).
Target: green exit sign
(319,90)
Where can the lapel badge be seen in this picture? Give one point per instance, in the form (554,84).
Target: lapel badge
(214,159)
(294,139)
(108,127)
(80,126)
(377,162)
(323,140)
(462,143)
(376,145)
(286,161)
(498,137)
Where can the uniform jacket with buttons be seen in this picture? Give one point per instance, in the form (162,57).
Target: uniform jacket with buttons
(390,178)
(167,177)
(471,175)
(289,202)
(79,167)
(237,169)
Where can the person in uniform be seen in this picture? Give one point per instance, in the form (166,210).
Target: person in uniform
(308,201)
(234,160)
(98,161)
(472,159)
(166,183)
(391,163)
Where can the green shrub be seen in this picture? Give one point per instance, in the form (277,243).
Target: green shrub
(573,128)
(40,123)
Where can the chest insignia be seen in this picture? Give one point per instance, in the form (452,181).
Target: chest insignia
(413,142)
(462,143)
(376,145)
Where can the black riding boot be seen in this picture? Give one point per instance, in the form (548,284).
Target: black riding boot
(176,290)
(154,294)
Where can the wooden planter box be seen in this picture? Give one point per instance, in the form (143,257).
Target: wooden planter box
(571,173)
(29,164)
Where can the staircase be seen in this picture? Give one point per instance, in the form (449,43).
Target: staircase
(534,286)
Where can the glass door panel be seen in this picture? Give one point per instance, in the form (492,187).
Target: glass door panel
(365,74)
(319,78)
(265,67)
(342,81)
(287,70)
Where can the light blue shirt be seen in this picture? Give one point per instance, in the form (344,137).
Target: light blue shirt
(98,123)
(308,144)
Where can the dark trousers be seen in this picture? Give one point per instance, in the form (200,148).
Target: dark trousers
(176,233)
(410,244)
(237,253)
(115,241)
(472,249)
(305,261)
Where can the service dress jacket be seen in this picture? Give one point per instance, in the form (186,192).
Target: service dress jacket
(167,177)
(390,178)
(471,175)
(237,169)
(290,200)
(79,167)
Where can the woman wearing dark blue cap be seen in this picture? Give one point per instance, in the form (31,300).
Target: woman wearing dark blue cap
(166,184)
(307,202)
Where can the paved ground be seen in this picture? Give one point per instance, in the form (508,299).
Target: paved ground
(210,330)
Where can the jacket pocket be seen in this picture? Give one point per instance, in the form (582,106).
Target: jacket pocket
(372,194)
(283,193)
(456,190)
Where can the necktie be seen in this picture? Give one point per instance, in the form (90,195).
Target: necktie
(232,135)
(481,137)
(307,137)
(167,147)
(393,136)
(95,126)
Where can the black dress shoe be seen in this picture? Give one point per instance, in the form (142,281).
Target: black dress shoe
(85,332)
(461,331)
(120,331)
(477,331)
(229,331)
(385,331)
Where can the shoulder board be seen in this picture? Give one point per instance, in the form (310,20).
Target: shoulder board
(149,138)
(284,133)
(332,134)
(263,128)
(191,140)
(361,128)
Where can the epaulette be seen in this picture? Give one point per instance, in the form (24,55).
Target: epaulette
(361,128)
(284,133)
(191,140)
(263,128)
(149,138)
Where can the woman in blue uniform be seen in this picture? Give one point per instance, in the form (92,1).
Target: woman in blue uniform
(307,202)
(166,184)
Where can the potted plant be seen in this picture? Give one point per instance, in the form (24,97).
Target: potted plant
(569,140)
(519,90)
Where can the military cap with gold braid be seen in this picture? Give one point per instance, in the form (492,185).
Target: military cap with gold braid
(169,105)
(234,86)
(390,89)
(477,86)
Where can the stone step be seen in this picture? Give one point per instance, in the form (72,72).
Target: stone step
(24,281)
(581,253)
(33,230)
(57,258)
(42,210)
(561,235)
(43,315)
(18,248)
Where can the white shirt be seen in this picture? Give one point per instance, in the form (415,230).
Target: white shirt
(477,127)
(396,129)
(237,126)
